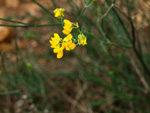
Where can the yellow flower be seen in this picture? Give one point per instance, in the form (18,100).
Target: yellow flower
(60,44)
(55,40)
(68,26)
(94,0)
(59,51)
(56,43)
(82,39)
(59,12)
(67,43)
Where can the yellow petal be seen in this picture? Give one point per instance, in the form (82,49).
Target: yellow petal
(81,41)
(68,37)
(50,41)
(58,14)
(67,22)
(85,42)
(55,11)
(56,50)
(56,35)
(60,54)
(66,32)
(72,46)
(67,48)
(53,46)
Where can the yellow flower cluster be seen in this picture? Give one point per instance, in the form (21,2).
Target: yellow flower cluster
(69,42)
(59,12)
(82,39)
(60,44)
(68,26)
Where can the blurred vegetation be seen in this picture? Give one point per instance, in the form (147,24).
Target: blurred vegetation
(109,75)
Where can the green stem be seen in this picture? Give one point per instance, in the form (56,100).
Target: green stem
(147,3)
(89,4)
(61,20)
(86,6)
(43,8)
(133,40)
(47,11)
(102,32)
(81,14)
(107,12)
(31,25)
(78,9)
(10,92)
(12,21)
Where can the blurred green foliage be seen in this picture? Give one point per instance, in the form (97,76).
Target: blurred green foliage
(115,69)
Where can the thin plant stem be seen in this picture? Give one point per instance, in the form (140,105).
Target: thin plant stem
(134,40)
(89,5)
(128,35)
(102,33)
(141,77)
(3,19)
(47,11)
(31,25)
(147,3)
(107,12)
(76,5)
(43,7)
(81,14)
(10,92)
(86,6)
(61,20)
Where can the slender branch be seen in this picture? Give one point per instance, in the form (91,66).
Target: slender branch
(86,6)
(25,24)
(3,19)
(10,92)
(147,3)
(142,79)
(31,25)
(43,7)
(74,3)
(101,21)
(103,33)
(107,12)
(47,11)
(133,41)
(81,14)
(128,35)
